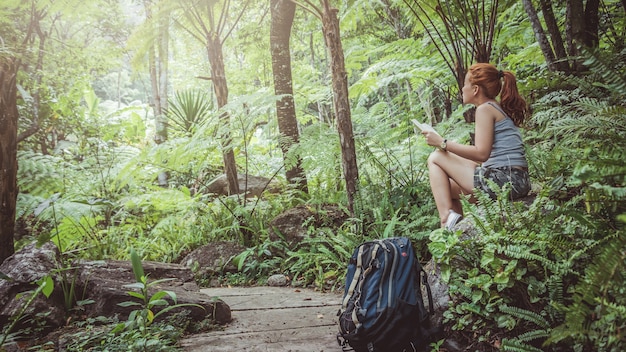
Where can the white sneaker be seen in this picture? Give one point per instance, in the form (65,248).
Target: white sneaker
(453,218)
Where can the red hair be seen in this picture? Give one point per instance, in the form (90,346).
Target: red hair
(494,82)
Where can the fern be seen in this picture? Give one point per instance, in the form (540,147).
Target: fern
(522,252)
(608,72)
(526,316)
(598,294)
(42,175)
(513,345)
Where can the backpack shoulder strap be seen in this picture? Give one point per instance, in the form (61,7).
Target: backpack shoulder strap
(424,277)
(357,273)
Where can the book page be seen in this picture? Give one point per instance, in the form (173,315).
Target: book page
(423,126)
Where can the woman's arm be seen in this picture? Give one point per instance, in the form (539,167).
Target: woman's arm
(483,140)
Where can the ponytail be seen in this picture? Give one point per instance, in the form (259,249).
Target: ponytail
(511,101)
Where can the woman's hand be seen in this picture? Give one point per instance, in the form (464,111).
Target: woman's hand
(432,138)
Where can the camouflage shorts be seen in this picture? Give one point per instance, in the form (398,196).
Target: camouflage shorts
(517,178)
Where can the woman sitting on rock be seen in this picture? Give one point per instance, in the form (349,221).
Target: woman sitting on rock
(498,150)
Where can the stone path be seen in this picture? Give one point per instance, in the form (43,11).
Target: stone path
(277,319)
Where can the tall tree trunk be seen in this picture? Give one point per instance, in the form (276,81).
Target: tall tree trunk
(591,37)
(540,34)
(157,66)
(574,29)
(330,25)
(560,55)
(220,86)
(162,71)
(283,12)
(8,154)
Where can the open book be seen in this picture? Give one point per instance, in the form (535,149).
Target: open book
(423,127)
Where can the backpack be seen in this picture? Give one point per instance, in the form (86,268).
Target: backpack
(382,307)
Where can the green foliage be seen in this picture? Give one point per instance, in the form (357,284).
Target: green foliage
(548,275)
(139,331)
(595,317)
(188,110)
(260,261)
(321,258)
(516,268)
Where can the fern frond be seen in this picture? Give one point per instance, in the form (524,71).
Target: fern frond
(513,345)
(526,315)
(41,175)
(533,335)
(521,252)
(614,79)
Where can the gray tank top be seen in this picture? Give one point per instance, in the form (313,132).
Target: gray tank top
(508,148)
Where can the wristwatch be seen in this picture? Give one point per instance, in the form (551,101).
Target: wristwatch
(444,144)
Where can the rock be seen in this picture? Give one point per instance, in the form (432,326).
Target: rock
(252,186)
(213,258)
(25,268)
(104,282)
(439,290)
(292,224)
(277,280)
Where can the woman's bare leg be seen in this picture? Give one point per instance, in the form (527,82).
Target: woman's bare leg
(450,176)
(455,192)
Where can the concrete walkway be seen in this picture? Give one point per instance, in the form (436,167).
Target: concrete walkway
(277,319)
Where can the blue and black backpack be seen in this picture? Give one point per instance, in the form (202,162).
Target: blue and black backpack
(383,308)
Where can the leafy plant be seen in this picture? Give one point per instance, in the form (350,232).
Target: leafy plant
(321,257)
(508,277)
(188,110)
(138,325)
(592,178)
(260,261)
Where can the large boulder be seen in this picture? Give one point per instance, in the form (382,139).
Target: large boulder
(293,224)
(24,269)
(213,259)
(104,282)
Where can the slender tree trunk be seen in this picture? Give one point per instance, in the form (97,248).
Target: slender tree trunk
(157,65)
(330,25)
(574,25)
(560,55)
(592,24)
(163,77)
(220,86)
(575,29)
(540,35)
(283,12)
(8,154)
